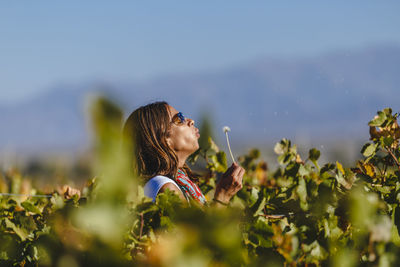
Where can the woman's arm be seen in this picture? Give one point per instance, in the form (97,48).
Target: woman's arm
(173,188)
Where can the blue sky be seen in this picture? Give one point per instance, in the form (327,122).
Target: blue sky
(43,43)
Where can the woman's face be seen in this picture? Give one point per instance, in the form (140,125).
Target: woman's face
(183,137)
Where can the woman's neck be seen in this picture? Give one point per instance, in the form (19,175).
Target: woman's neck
(181,162)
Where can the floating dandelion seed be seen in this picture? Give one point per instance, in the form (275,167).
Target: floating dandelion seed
(226,129)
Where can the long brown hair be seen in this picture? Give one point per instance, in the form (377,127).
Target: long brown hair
(145,132)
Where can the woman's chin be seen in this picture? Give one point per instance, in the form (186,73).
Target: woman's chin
(196,147)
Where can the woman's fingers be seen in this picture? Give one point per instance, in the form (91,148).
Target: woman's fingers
(241,173)
(233,178)
(231,169)
(240,176)
(236,170)
(237,176)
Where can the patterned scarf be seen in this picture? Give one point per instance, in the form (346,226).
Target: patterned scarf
(188,187)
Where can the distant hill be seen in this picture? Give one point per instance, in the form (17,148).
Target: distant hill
(330,96)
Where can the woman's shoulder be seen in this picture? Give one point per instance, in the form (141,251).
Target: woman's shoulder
(154,184)
(158,178)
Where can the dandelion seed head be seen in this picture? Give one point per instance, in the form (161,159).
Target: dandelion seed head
(226,129)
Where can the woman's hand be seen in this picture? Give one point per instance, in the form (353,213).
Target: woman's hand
(229,184)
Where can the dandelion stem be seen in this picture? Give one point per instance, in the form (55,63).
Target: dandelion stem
(229,147)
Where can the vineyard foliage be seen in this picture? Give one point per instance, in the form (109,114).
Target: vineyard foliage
(302,213)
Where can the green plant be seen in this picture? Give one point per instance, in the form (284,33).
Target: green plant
(299,214)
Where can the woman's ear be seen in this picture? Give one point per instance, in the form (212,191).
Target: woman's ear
(169,141)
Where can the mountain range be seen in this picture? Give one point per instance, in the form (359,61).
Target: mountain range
(326,97)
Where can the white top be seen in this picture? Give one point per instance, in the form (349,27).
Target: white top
(154,185)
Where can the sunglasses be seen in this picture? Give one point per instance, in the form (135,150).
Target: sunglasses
(178,119)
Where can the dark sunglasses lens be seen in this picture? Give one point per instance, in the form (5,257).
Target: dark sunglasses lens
(178,118)
(181,117)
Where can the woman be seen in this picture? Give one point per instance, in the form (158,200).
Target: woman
(162,139)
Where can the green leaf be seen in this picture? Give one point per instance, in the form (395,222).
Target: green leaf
(193,158)
(3,255)
(26,222)
(261,226)
(292,169)
(57,201)
(252,196)
(303,171)
(282,146)
(387,141)
(387,111)
(146,207)
(369,149)
(315,251)
(279,149)
(22,233)
(166,222)
(262,240)
(259,205)
(169,203)
(302,190)
(254,153)
(378,120)
(30,207)
(340,167)
(281,159)
(286,158)
(205,188)
(221,159)
(324,172)
(396,215)
(384,189)
(212,146)
(217,162)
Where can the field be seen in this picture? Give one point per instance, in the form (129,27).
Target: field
(299,214)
